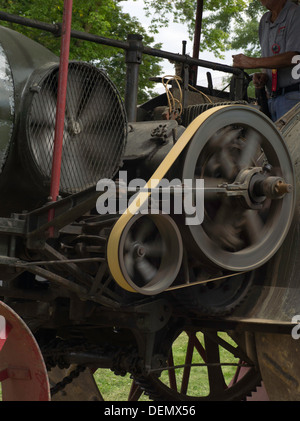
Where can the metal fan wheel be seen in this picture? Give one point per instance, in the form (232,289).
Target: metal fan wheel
(236,236)
(95,128)
(150,253)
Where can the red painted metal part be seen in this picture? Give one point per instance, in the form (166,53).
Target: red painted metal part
(23,374)
(197,36)
(5,328)
(61,104)
(260,394)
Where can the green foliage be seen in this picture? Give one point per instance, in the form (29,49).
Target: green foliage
(227,24)
(245,32)
(104,18)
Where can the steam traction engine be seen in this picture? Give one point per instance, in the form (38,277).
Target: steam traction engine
(82,290)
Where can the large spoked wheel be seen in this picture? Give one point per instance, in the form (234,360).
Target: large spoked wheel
(204,366)
(248,188)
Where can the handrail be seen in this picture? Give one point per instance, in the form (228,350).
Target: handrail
(55,29)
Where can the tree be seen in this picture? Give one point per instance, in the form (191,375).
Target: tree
(245,33)
(104,18)
(219,19)
(226,25)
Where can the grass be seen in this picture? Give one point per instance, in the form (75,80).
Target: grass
(117,388)
(114,388)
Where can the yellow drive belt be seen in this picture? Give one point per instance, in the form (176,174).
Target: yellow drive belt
(137,203)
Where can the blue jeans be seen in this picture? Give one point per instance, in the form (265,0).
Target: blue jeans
(281,104)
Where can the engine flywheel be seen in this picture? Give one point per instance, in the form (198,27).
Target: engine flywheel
(249,189)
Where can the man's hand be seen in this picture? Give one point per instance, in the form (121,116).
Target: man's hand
(277,61)
(244,62)
(260,80)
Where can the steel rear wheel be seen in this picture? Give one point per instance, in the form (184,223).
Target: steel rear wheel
(203,366)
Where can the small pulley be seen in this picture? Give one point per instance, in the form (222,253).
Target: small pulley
(149,254)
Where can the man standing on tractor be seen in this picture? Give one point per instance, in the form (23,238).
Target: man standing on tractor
(279,36)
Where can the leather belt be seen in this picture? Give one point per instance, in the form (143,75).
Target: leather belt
(283,91)
(116,232)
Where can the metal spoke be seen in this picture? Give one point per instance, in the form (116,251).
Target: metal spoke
(253,140)
(154,249)
(253,225)
(135,392)
(225,234)
(129,264)
(145,269)
(200,348)
(188,361)
(128,242)
(228,167)
(171,372)
(215,375)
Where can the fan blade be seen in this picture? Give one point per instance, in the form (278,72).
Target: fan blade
(75,93)
(42,148)
(74,167)
(43,111)
(98,109)
(95,154)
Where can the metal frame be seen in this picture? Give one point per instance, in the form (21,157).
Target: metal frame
(145,318)
(135,49)
(61,105)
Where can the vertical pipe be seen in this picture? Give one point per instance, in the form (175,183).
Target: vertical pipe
(133,61)
(61,104)
(197,36)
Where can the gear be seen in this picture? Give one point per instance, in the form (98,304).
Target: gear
(216,298)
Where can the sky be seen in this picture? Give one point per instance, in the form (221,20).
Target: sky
(171,38)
